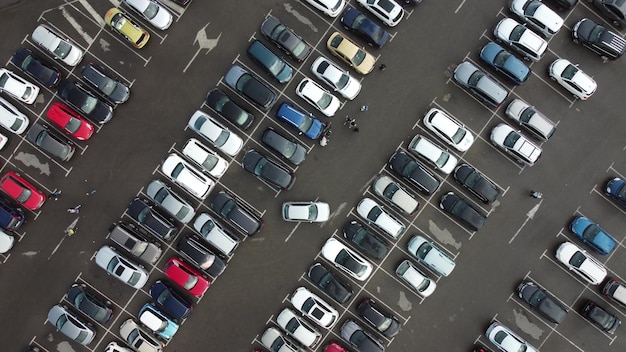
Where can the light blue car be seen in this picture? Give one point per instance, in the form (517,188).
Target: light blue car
(504,62)
(593,235)
(157,322)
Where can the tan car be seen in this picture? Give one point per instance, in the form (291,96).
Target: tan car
(353,55)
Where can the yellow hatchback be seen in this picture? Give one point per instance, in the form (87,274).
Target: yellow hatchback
(359,59)
(134,33)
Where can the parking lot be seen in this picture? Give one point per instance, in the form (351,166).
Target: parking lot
(169,80)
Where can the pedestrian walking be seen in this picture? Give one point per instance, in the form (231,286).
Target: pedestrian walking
(55,194)
(349,121)
(536,194)
(74,210)
(90,193)
(70,231)
(352,124)
(382,67)
(364,108)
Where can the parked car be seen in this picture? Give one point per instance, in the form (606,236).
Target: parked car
(138,339)
(313,307)
(616,290)
(11,216)
(563,5)
(475,182)
(70,121)
(105,83)
(581,263)
(331,8)
(304,122)
(251,87)
(285,38)
(158,323)
(427,253)
(134,241)
(537,16)
(461,210)
(71,325)
(614,10)
(36,67)
(333,346)
(615,189)
(572,78)
(506,340)
(481,85)
(289,149)
(267,170)
(365,241)
(386,188)
(151,11)
(194,250)
(359,338)
(298,328)
(136,35)
(50,142)
(215,234)
(608,44)
(534,121)
(172,302)
(350,53)
(305,211)
(592,235)
(353,20)
(385,322)
(151,219)
(271,63)
(17,87)
(449,129)
(187,176)
(227,108)
(85,101)
(433,154)
(171,202)
(318,97)
(215,133)
(121,268)
(111,347)
(388,11)
(415,279)
(6,241)
(542,301)
(273,339)
(409,169)
(521,39)
(505,63)
(607,322)
(11,118)
(515,144)
(90,303)
(326,281)
(208,160)
(373,213)
(22,191)
(228,208)
(340,81)
(185,276)
(346,259)
(57,45)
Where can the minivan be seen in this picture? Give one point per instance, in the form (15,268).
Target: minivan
(415,279)
(271,63)
(11,217)
(615,290)
(130,238)
(215,234)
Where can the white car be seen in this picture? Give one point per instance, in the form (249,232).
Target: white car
(415,279)
(11,118)
(392,192)
(138,339)
(438,158)
(538,16)
(315,308)
(204,157)
(56,45)
(581,262)
(187,176)
(115,347)
(17,87)
(346,259)
(515,144)
(123,269)
(152,11)
(319,97)
(449,129)
(214,132)
(306,211)
(521,39)
(572,78)
(369,210)
(6,241)
(388,11)
(273,339)
(298,328)
(340,81)
(430,255)
(533,120)
(331,8)
(506,340)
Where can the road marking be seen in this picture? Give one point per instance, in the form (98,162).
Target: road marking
(96,16)
(529,216)
(76,26)
(203,43)
(459,7)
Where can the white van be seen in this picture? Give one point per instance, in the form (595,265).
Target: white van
(215,234)
(615,290)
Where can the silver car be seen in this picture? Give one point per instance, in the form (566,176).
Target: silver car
(430,255)
(538,16)
(515,144)
(121,268)
(70,325)
(138,339)
(392,192)
(533,120)
(298,328)
(215,133)
(163,195)
(56,45)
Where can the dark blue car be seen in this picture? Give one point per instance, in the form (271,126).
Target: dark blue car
(616,189)
(353,20)
(305,123)
(172,302)
(505,63)
(593,235)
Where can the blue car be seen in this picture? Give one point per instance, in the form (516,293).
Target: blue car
(593,235)
(304,122)
(505,63)
(157,322)
(616,189)
(170,300)
(353,20)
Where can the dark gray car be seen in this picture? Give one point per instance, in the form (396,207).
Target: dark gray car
(251,87)
(475,182)
(359,338)
(50,142)
(365,241)
(483,86)
(192,249)
(270,62)
(285,38)
(103,82)
(267,170)
(228,208)
(150,218)
(539,299)
(462,210)
(227,108)
(326,281)
(89,303)
(294,152)
(414,172)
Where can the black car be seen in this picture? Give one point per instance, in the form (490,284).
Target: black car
(11,217)
(89,303)
(407,167)
(226,206)
(604,320)
(564,4)
(359,338)
(462,210)
(149,217)
(367,242)
(609,45)
(285,38)
(220,102)
(172,302)
(615,10)
(252,87)
(85,101)
(324,279)
(539,299)
(192,249)
(270,62)
(382,320)
(44,73)
(267,170)
(375,35)
(477,183)
(50,142)
(105,83)
(289,149)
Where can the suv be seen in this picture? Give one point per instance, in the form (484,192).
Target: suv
(515,144)
(484,87)
(11,217)
(521,39)
(270,62)
(128,237)
(615,10)
(534,121)
(609,45)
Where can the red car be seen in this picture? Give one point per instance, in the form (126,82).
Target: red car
(22,191)
(186,277)
(70,121)
(334,347)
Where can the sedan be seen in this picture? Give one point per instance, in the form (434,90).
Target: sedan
(289,149)
(385,322)
(370,211)
(221,103)
(583,264)
(208,160)
(353,20)
(71,325)
(319,97)
(388,11)
(152,12)
(88,302)
(606,321)
(248,84)
(346,259)
(505,63)
(528,44)
(298,328)
(17,87)
(155,222)
(306,211)
(158,323)
(187,176)
(22,191)
(37,68)
(56,45)
(50,142)
(186,276)
(592,235)
(136,35)
(481,85)
(121,268)
(228,208)
(460,209)
(139,339)
(515,144)
(350,53)
(531,119)
(85,101)
(538,16)
(359,338)
(215,133)
(573,79)
(273,339)
(11,118)
(172,302)
(449,129)
(409,169)
(327,282)
(386,188)
(194,250)
(433,154)
(365,241)
(331,8)
(285,38)
(477,183)
(427,253)
(539,299)
(616,189)
(70,121)
(315,308)
(340,81)
(304,122)
(269,171)
(97,77)
(506,340)
(171,202)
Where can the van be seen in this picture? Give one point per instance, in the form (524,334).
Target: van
(271,63)
(533,120)
(615,290)
(215,234)
(415,279)
(128,237)
(11,217)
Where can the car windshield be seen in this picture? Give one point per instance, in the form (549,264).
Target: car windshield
(306,124)
(423,250)
(459,135)
(530,7)
(292,325)
(258,168)
(72,125)
(141,247)
(299,48)
(143,214)
(222,138)
(336,41)
(343,81)
(312,211)
(474,78)
(81,336)
(596,33)
(358,20)
(112,264)
(358,58)
(501,58)
(510,139)
(177,170)
(374,213)
(308,304)
(241,82)
(191,282)
(134,278)
(324,101)
(89,105)
(210,162)
(459,208)
(62,49)
(590,232)
(385,324)
(344,258)
(151,10)
(24,195)
(390,190)
(517,33)
(577,259)
(443,159)
(569,72)
(537,298)
(357,338)
(408,169)
(277,344)
(107,86)
(227,208)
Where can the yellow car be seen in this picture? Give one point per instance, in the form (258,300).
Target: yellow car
(134,33)
(359,59)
